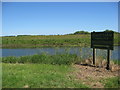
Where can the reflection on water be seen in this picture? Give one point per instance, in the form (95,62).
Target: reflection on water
(83,52)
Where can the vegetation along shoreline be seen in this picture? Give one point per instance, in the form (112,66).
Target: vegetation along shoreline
(79,38)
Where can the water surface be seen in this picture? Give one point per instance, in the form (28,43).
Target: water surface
(83,52)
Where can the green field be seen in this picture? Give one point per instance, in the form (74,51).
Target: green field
(48,41)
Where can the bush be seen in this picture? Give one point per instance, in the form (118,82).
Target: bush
(81,32)
(10,59)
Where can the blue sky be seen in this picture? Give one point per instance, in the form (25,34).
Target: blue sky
(51,18)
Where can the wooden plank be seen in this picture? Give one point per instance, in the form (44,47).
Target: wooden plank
(103,47)
(102,35)
(102,42)
(107,38)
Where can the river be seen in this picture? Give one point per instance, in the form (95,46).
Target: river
(83,52)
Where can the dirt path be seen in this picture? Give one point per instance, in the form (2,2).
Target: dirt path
(91,76)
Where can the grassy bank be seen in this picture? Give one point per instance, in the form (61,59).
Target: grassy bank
(39,76)
(57,59)
(49,40)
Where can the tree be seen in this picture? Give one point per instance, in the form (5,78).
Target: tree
(107,30)
(81,32)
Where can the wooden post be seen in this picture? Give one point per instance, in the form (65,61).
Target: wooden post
(108,59)
(94,53)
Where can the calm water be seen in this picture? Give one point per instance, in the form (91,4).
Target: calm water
(83,52)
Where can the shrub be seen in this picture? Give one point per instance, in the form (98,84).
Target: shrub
(10,59)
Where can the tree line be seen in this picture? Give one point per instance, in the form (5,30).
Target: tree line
(86,32)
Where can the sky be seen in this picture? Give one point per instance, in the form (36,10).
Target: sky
(52,18)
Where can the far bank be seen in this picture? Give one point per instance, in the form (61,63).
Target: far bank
(35,41)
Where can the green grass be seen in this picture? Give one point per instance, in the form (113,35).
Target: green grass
(39,76)
(44,58)
(113,82)
(44,41)
(44,71)
(116,62)
(59,59)
(49,41)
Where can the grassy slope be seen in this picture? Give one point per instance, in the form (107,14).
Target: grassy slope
(39,41)
(50,40)
(39,76)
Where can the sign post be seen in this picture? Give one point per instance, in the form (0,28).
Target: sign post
(102,40)
(94,55)
(108,59)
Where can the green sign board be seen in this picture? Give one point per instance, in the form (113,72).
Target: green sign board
(102,40)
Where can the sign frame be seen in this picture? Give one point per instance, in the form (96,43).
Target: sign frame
(102,40)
